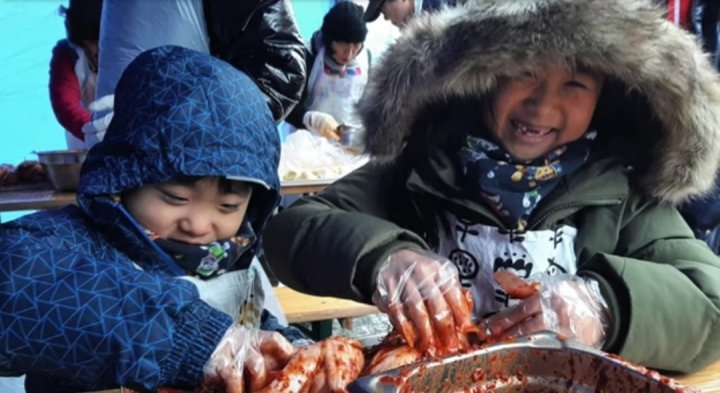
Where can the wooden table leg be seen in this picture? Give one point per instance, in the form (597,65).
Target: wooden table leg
(346,323)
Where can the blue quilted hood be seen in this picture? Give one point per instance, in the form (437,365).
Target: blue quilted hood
(180,112)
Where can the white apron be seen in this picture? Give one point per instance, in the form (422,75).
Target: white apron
(335,92)
(480,250)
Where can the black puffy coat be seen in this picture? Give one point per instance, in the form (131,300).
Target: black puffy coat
(262,39)
(258,37)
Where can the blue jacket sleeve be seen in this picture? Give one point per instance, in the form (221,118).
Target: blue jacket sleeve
(98,323)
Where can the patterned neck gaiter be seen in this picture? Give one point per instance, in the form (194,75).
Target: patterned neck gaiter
(204,261)
(514,189)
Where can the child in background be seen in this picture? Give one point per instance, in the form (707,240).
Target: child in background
(74,68)
(546,138)
(338,66)
(182,185)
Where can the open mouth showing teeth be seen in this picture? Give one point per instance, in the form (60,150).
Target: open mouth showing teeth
(531,131)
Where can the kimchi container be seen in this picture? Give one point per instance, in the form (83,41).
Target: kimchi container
(535,364)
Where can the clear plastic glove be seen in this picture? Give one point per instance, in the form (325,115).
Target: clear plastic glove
(421,294)
(242,350)
(322,123)
(568,305)
(326,366)
(94,130)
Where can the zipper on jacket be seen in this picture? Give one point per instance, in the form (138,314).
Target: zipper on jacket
(571,205)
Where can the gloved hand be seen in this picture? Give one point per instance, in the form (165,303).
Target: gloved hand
(94,130)
(322,123)
(421,294)
(326,366)
(568,305)
(241,350)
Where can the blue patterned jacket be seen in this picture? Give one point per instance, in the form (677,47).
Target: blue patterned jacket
(73,305)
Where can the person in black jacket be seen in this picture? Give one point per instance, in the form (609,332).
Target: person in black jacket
(260,38)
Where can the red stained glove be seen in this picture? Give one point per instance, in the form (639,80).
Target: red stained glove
(243,350)
(568,305)
(421,294)
(326,366)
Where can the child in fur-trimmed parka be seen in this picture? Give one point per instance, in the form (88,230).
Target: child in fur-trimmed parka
(549,139)
(180,187)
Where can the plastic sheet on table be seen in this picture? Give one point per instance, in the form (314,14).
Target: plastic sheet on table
(306,156)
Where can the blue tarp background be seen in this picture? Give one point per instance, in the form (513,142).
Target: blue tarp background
(29,30)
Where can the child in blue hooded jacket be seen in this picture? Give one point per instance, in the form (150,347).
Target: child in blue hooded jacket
(182,185)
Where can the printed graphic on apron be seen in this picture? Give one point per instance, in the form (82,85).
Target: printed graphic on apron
(479,250)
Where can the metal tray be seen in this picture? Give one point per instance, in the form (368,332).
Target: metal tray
(536,364)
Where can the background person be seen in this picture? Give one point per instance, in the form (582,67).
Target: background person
(399,12)
(259,38)
(73,70)
(547,149)
(338,65)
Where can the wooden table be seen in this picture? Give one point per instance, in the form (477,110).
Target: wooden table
(319,311)
(304,187)
(707,379)
(42,196)
(38,196)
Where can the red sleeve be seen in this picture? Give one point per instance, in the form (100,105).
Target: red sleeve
(65,91)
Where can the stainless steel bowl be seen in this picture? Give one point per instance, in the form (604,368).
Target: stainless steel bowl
(538,364)
(351,137)
(63,167)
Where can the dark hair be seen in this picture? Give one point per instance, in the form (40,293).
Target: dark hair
(82,20)
(343,23)
(225,186)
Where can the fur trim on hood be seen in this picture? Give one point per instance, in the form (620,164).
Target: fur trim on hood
(462,52)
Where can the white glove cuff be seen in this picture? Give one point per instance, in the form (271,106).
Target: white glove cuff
(307,119)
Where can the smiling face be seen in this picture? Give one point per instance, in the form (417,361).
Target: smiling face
(533,115)
(398,11)
(196,212)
